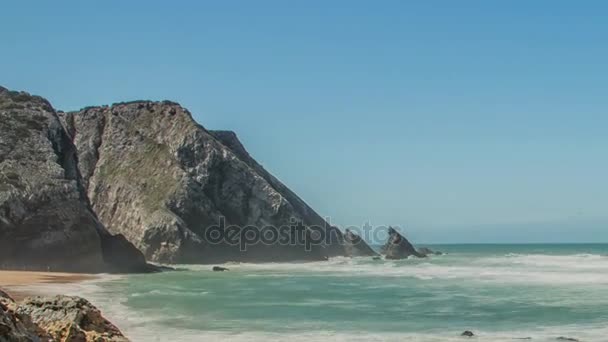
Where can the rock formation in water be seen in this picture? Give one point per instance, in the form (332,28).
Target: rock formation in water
(355,246)
(163,181)
(427,251)
(398,247)
(46,222)
(467,333)
(58,318)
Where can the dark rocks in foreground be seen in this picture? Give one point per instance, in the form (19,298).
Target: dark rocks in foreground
(398,247)
(58,318)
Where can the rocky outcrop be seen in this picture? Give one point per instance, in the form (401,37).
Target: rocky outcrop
(398,247)
(66,318)
(59,318)
(427,251)
(308,215)
(163,181)
(46,222)
(12,327)
(467,333)
(355,246)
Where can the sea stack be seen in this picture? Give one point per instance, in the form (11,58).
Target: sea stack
(398,247)
(355,246)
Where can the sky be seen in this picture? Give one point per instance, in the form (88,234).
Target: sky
(458,121)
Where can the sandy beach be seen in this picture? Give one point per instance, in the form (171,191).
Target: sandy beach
(12,281)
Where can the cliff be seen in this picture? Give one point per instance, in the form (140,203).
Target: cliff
(46,222)
(160,179)
(105,188)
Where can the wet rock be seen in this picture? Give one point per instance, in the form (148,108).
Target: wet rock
(219,269)
(569,339)
(427,251)
(398,247)
(467,333)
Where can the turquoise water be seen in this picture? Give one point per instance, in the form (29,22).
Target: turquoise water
(500,292)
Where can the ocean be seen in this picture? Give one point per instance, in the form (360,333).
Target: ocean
(500,292)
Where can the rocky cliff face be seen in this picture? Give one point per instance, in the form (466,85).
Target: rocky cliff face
(46,222)
(398,247)
(157,177)
(148,173)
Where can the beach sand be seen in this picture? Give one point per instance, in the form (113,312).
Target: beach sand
(13,281)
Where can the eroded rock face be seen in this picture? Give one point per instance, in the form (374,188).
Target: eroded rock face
(46,222)
(66,318)
(12,327)
(58,318)
(354,246)
(158,178)
(398,247)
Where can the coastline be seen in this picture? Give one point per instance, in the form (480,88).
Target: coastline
(20,284)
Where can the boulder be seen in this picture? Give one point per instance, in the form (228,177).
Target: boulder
(12,328)
(467,333)
(398,247)
(65,318)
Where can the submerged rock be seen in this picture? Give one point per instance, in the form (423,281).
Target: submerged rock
(467,333)
(562,338)
(427,251)
(219,269)
(46,221)
(398,247)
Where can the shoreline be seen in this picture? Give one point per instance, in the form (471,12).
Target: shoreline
(21,284)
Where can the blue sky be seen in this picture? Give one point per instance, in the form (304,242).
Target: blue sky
(478,121)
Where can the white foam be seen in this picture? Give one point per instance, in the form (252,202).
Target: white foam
(588,334)
(568,271)
(512,268)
